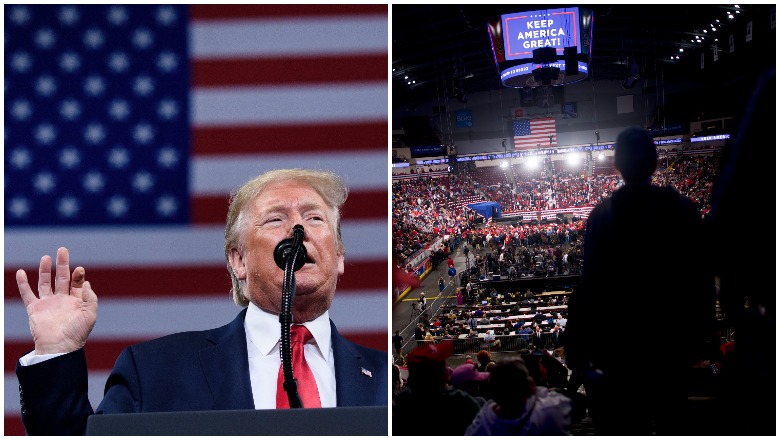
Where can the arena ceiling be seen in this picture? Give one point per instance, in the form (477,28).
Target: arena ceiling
(439,45)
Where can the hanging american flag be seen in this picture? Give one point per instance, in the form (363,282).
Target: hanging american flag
(126,128)
(534,133)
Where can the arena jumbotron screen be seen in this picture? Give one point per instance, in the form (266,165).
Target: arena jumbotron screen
(515,36)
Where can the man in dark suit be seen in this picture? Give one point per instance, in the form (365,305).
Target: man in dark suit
(232,367)
(663,224)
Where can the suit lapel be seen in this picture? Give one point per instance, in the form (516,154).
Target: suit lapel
(226,367)
(355,385)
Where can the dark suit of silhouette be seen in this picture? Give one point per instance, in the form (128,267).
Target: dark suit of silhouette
(188,371)
(641,244)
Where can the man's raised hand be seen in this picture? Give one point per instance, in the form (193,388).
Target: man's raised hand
(60,320)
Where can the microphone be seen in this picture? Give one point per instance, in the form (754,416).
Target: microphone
(289,255)
(284,250)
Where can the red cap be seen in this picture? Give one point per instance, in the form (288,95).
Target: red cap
(431,352)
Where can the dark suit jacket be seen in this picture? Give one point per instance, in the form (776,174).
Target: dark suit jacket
(189,371)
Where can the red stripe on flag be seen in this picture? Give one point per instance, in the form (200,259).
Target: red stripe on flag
(378,340)
(373,339)
(363,205)
(252,139)
(209,210)
(13,426)
(219,12)
(134,282)
(366,205)
(284,70)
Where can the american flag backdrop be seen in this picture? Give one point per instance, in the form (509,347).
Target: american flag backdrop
(126,128)
(534,133)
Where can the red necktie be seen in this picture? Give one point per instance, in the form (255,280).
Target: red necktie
(307,386)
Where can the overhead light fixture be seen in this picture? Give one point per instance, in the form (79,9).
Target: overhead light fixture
(406,76)
(681,49)
(737,11)
(736,6)
(678,57)
(705,30)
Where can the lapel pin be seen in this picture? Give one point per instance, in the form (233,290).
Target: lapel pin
(365,372)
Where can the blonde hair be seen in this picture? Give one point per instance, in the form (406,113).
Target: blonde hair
(328,185)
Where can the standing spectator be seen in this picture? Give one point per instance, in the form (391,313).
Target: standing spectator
(441,284)
(398,343)
(422,302)
(525,336)
(558,254)
(555,337)
(473,322)
(415,309)
(669,225)
(459,296)
(419,333)
(562,320)
(537,339)
(519,407)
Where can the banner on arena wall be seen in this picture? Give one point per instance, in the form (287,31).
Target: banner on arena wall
(464,119)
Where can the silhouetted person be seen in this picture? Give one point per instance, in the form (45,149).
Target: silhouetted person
(746,298)
(642,244)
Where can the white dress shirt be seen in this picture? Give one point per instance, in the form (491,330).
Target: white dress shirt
(263,335)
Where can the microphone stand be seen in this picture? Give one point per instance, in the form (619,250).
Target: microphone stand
(293,260)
